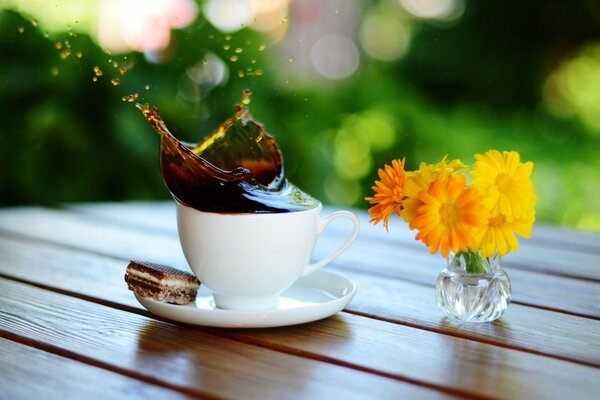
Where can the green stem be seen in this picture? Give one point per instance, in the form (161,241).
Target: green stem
(474,262)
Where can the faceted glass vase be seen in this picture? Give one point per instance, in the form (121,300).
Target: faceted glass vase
(480,296)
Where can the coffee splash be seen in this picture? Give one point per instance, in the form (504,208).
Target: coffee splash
(236,169)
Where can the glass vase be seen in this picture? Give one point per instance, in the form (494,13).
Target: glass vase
(473,288)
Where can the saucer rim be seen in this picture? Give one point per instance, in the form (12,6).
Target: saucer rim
(276,317)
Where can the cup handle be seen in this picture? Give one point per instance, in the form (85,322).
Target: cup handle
(323,222)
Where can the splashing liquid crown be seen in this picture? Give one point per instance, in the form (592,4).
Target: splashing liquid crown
(236,169)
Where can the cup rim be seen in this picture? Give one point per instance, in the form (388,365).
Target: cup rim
(318,208)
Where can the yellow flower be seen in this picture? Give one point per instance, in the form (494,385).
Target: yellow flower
(389,193)
(505,183)
(418,181)
(449,210)
(498,235)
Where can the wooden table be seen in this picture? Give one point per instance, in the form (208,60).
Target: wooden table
(69,328)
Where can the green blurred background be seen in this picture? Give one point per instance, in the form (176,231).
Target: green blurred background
(346,86)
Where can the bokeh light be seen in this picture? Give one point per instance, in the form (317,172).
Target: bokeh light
(201,78)
(384,36)
(126,25)
(54,16)
(269,14)
(335,56)
(229,15)
(573,89)
(445,10)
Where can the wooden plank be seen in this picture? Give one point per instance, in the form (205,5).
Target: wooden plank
(525,328)
(188,356)
(107,237)
(185,357)
(29,373)
(545,253)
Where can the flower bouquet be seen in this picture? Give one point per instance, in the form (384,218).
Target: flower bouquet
(471,222)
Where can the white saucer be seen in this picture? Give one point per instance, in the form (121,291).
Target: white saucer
(317,296)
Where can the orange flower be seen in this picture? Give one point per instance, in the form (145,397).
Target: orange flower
(448,212)
(389,193)
(418,181)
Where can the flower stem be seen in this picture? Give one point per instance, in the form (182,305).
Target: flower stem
(474,262)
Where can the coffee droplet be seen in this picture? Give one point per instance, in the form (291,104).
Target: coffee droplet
(246,96)
(259,72)
(94,79)
(34,23)
(114,64)
(241,74)
(239,50)
(79,54)
(131,97)
(97,71)
(115,81)
(227,37)
(262,47)
(65,54)
(226,47)
(58,45)
(234,58)
(253,61)
(21,29)
(123,70)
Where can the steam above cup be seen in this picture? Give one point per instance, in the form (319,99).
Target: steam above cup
(249,259)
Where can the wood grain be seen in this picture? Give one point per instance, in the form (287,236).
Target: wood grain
(190,356)
(124,241)
(28,373)
(525,328)
(184,357)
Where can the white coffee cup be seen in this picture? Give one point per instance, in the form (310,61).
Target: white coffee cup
(248,259)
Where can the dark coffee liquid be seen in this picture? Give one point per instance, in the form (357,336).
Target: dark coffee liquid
(237,169)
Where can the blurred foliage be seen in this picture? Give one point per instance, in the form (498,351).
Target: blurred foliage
(461,89)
